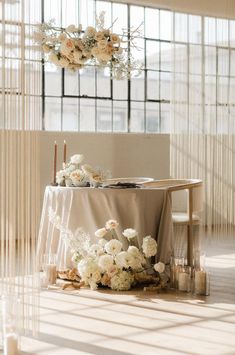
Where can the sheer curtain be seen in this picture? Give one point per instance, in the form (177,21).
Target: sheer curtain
(20,121)
(203,112)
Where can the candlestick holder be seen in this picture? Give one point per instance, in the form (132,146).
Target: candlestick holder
(11,318)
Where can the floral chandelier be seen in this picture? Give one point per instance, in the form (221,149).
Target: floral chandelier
(75,48)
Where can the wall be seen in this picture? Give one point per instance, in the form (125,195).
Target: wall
(217,8)
(123,154)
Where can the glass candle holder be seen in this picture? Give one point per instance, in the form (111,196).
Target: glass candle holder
(49,269)
(184,279)
(11,307)
(177,263)
(202,282)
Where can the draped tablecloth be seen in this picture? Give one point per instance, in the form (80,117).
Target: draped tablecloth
(146,210)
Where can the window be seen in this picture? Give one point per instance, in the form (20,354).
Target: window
(89,100)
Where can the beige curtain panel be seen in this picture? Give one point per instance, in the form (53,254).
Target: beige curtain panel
(20,119)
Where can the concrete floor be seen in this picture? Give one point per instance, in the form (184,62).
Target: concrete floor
(112,323)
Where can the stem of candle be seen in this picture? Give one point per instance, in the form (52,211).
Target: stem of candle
(55,162)
(65,152)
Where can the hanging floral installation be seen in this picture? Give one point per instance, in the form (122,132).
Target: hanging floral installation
(75,48)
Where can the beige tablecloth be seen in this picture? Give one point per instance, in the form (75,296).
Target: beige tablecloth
(146,210)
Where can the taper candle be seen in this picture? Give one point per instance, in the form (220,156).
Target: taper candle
(65,152)
(55,162)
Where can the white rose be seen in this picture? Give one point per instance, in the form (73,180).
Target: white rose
(105,262)
(102,44)
(129,233)
(100,233)
(149,246)
(60,177)
(113,247)
(104,57)
(53,58)
(90,32)
(63,63)
(111,224)
(77,176)
(46,48)
(77,55)
(159,267)
(96,249)
(62,37)
(71,28)
(124,260)
(88,169)
(76,159)
(115,38)
(95,51)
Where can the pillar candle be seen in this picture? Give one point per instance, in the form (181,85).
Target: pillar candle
(184,281)
(65,152)
(55,162)
(10,345)
(200,282)
(51,274)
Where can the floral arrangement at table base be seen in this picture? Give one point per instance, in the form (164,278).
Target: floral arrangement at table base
(107,264)
(76,175)
(75,48)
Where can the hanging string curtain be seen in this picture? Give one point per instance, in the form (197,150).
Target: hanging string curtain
(203,112)
(20,120)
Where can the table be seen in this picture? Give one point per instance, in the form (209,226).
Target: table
(146,210)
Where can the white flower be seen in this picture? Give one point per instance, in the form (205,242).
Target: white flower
(105,262)
(76,159)
(46,48)
(90,32)
(122,281)
(62,37)
(96,275)
(53,58)
(63,63)
(87,169)
(60,177)
(130,233)
(115,38)
(124,260)
(159,267)
(113,247)
(68,182)
(89,271)
(76,257)
(71,28)
(149,246)
(77,176)
(99,35)
(102,242)
(133,251)
(111,224)
(96,249)
(138,258)
(100,233)
(112,271)
(77,55)
(67,46)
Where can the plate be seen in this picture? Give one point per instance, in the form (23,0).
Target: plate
(128,180)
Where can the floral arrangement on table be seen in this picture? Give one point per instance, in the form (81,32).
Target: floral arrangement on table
(74,47)
(75,174)
(107,264)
